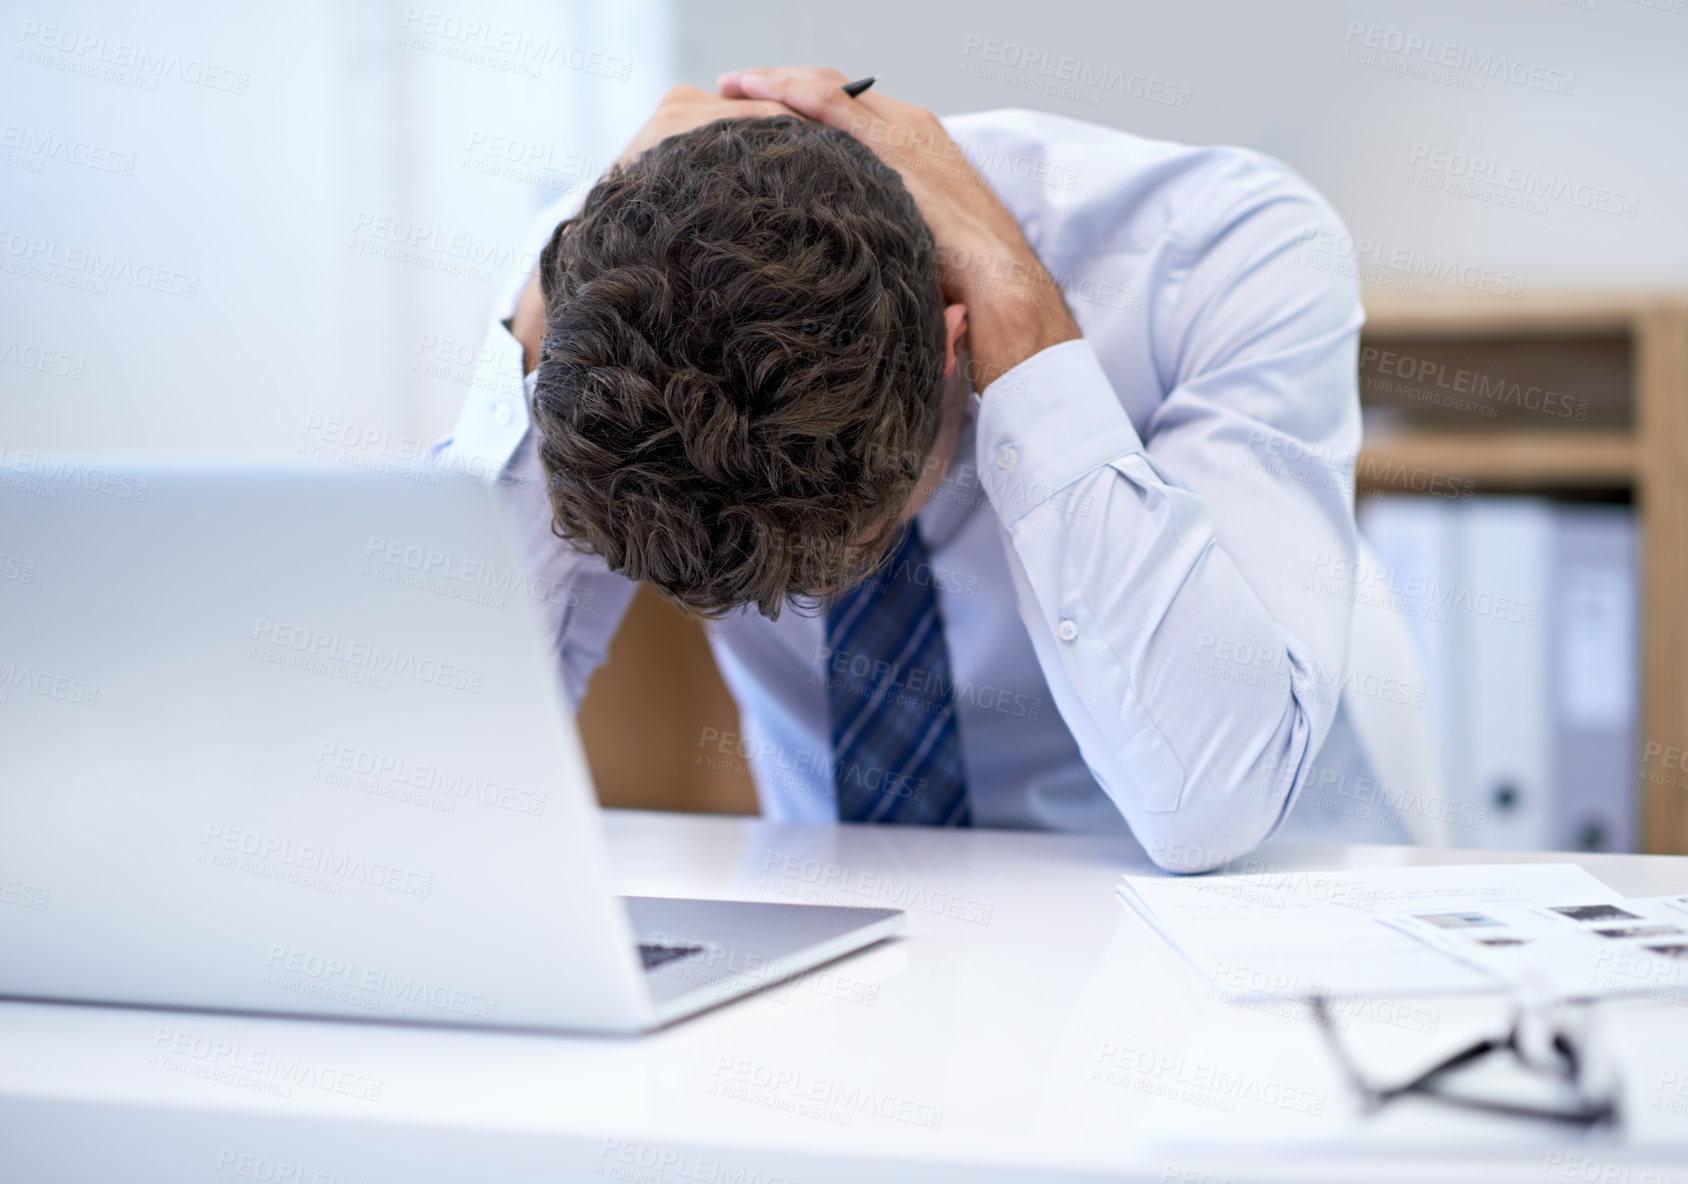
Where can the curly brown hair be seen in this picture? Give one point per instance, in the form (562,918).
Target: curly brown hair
(743,364)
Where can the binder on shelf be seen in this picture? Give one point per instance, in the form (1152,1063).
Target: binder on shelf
(1411,537)
(1524,613)
(1507,548)
(1595,672)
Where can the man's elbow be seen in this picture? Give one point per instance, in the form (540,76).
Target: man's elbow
(1191,848)
(1215,824)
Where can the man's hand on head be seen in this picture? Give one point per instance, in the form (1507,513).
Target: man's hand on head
(1014,307)
(686,107)
(681,109)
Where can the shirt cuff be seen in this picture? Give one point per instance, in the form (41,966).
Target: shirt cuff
(495,411)
(1046,423)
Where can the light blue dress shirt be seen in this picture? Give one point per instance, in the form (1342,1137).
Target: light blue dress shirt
(1123,545)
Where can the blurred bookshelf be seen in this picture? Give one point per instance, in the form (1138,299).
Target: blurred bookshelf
(660,729)
(1615,430)
(662,732)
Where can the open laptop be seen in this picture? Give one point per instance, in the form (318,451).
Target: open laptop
(290,738)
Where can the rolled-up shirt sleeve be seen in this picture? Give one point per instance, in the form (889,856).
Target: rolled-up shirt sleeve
(1163,574)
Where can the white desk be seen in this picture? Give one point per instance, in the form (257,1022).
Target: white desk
(1027,1027)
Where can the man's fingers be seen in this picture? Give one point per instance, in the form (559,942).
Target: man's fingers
(812,91)
(731,85)
(755,109)
(821,101)
(731,80)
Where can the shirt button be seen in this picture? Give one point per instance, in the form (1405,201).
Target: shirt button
(1067,630)
(1007,456)
(501,414)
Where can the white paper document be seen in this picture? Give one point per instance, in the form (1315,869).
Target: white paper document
(1603,946)
(1296,934)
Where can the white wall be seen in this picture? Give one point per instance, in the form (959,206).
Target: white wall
(1272,76)
(323,131)
(341,116)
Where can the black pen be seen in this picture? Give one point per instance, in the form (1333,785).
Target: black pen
(854,89)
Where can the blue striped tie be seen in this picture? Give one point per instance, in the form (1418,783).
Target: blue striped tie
(896,747)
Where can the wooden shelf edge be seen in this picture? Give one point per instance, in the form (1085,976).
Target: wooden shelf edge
(1581,313)
(1501,458)
(1662,422)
